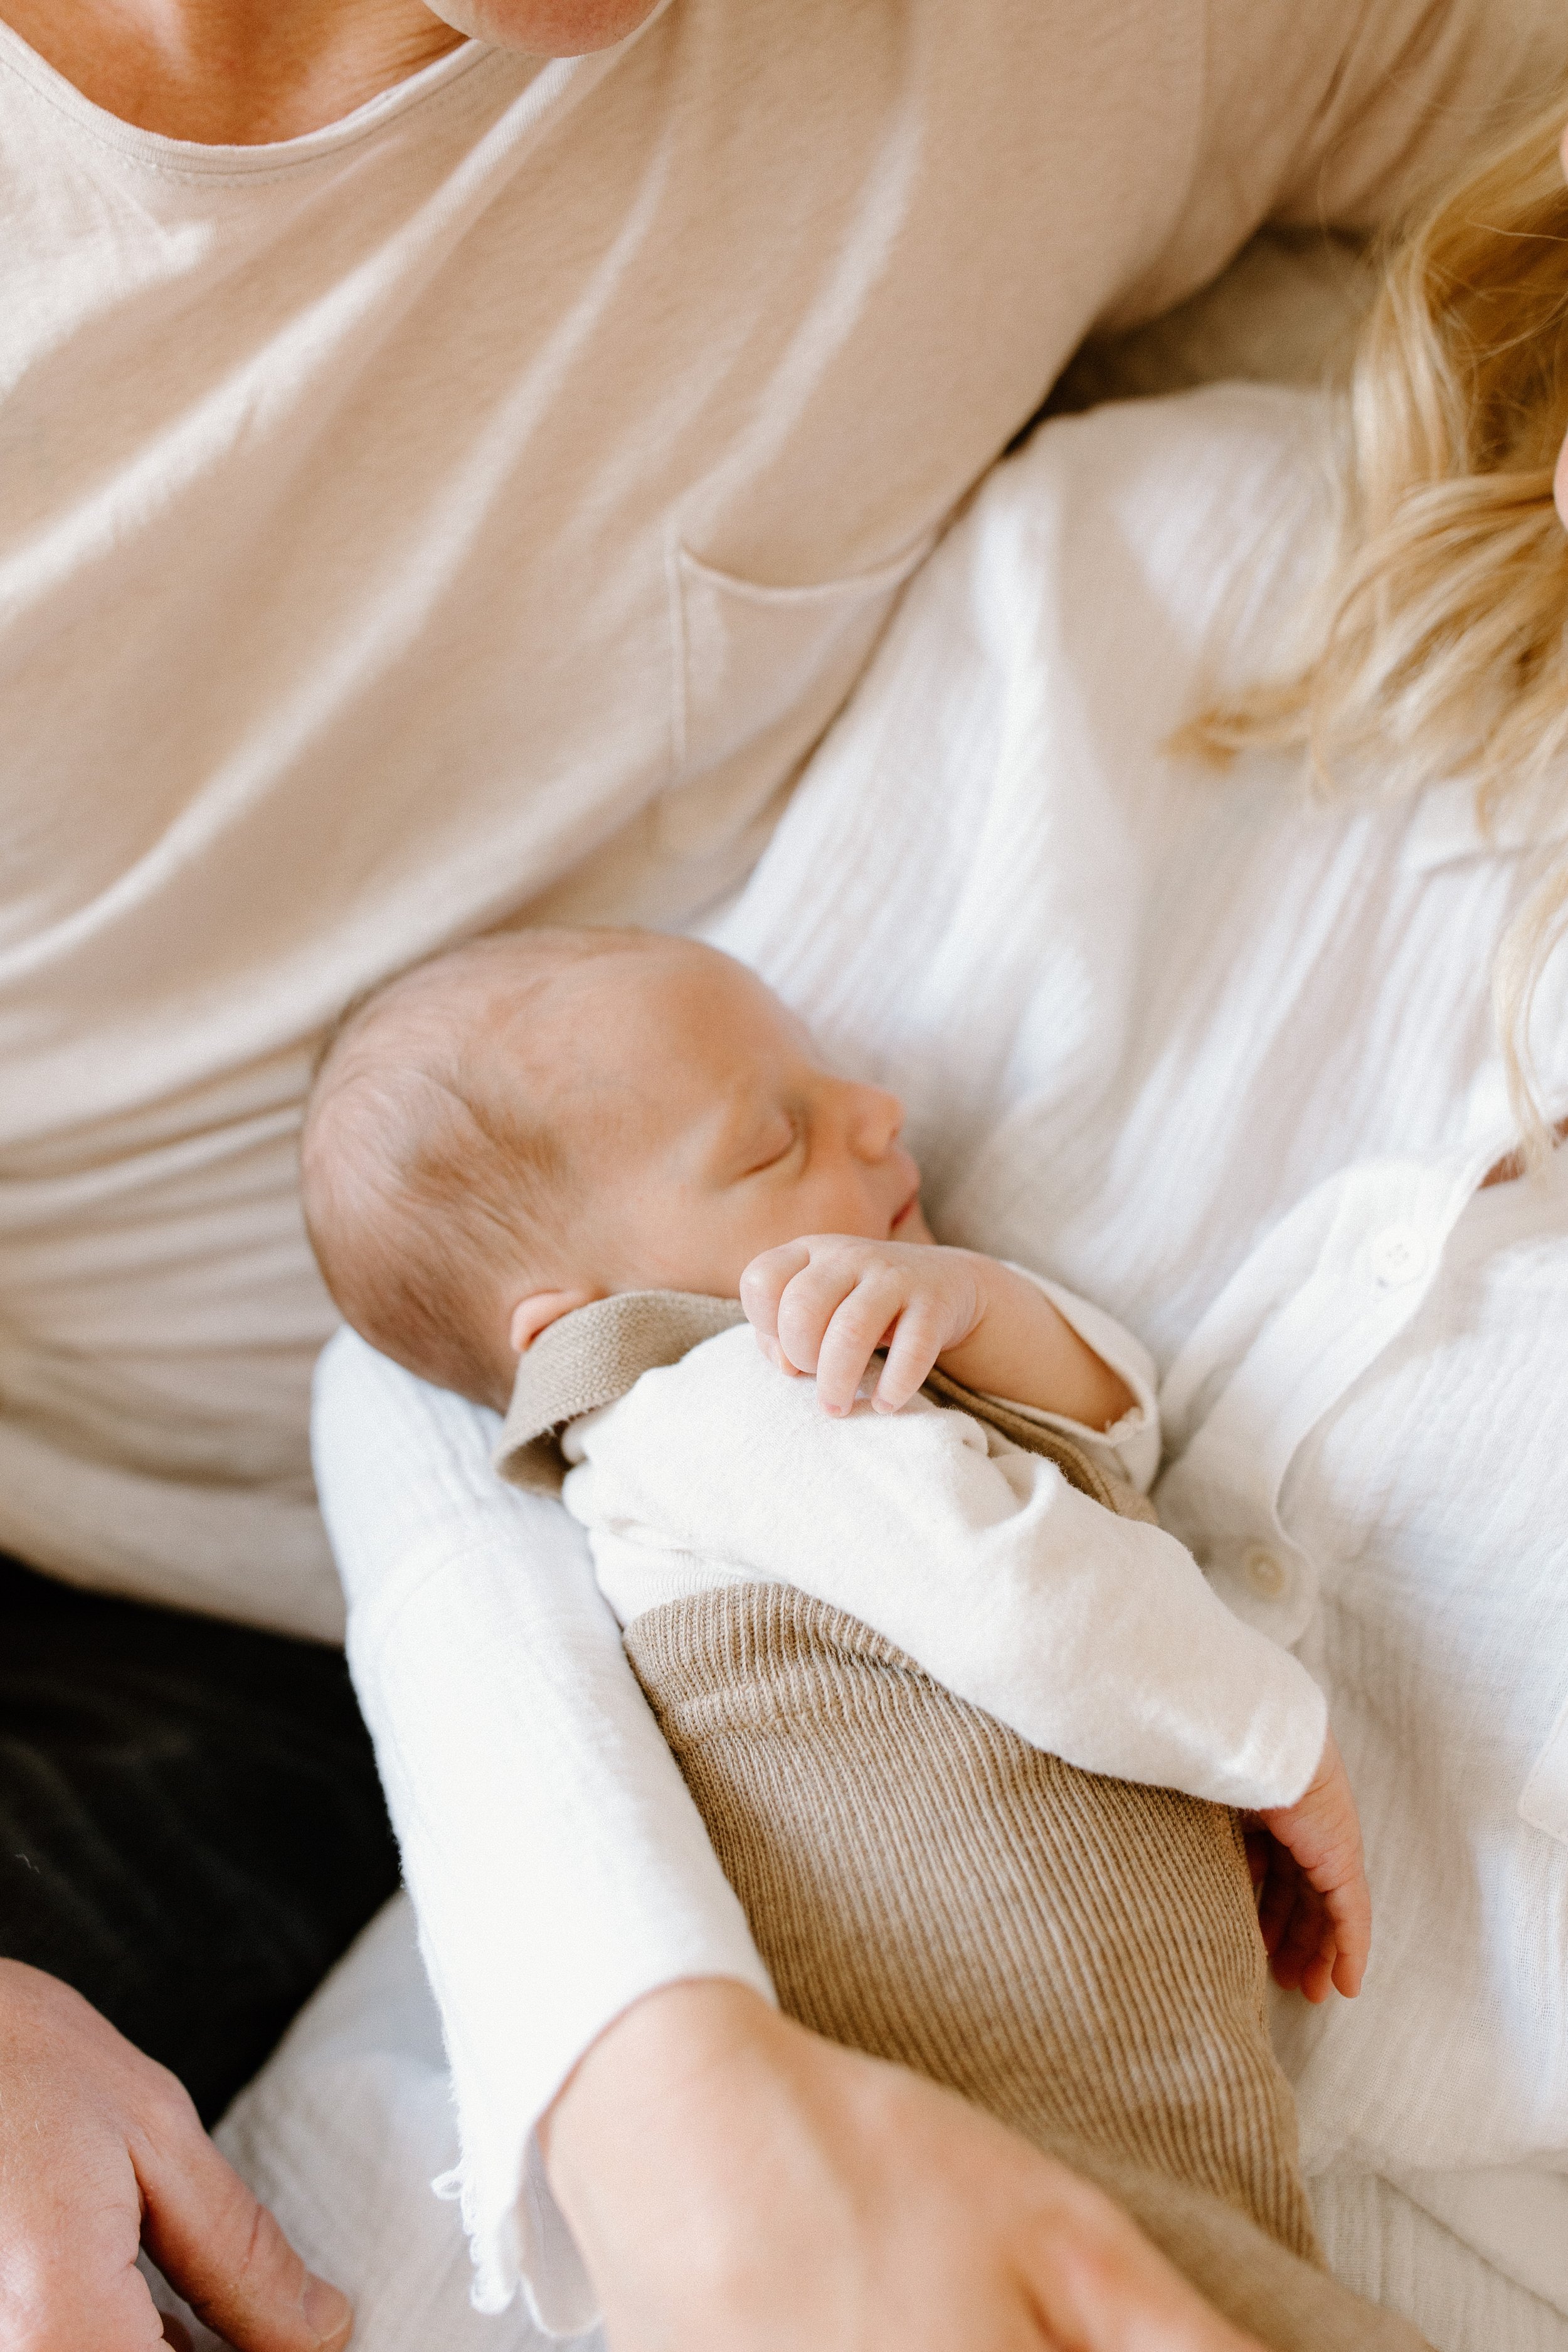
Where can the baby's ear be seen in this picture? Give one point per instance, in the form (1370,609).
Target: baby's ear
(540,1309)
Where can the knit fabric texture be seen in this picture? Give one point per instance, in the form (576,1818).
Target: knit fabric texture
(1077,1955)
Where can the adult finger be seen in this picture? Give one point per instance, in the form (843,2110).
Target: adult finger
(1099,2286)
(220,2248)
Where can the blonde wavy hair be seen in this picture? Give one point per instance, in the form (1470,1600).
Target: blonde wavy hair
(1442,646)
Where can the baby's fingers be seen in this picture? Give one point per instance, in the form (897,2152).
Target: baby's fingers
(1276,1888)
(763,1286)
(1317,1970)
(917,1339)
(1303,1945)
(1350,1912)
(858,1325)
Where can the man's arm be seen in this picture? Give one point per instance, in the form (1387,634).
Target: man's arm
(1340,115)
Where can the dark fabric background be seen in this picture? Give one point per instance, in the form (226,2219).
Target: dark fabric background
(191,1825)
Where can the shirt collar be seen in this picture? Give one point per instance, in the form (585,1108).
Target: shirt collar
(590,1358)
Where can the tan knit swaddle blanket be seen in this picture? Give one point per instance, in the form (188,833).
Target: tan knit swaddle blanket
(1077,1955)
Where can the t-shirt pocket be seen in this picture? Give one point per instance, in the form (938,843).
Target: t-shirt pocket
(760,672)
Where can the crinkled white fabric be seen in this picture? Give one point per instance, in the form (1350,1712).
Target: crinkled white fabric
(1464,2283)
(1092,1635)
(1222,1058)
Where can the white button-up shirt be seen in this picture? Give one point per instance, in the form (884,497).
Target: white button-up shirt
(1220,1057)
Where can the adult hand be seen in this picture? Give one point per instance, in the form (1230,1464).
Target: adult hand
(101,2151)
(737,2184)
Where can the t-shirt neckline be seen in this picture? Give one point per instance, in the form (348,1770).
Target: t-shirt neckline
(193,157)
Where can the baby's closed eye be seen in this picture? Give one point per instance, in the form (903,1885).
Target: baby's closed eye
(773,1145)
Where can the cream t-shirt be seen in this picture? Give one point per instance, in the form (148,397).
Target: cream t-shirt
(478,508)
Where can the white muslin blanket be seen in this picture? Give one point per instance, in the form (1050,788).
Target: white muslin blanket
(1219,1058)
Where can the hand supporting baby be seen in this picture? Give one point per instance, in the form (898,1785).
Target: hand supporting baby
(825,1304)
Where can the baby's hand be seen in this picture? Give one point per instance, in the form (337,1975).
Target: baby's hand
(1313,1904)
(825,1305)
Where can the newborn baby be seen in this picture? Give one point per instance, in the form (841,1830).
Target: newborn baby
(879,1558)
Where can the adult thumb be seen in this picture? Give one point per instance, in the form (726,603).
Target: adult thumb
(220,2248)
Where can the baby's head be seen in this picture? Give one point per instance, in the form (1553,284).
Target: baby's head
(523,1125)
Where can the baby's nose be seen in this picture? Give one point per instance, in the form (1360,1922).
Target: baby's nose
(879,1119)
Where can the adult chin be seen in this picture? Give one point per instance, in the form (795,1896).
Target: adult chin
(546,28)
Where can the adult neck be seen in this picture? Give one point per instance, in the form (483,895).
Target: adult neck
(232,73)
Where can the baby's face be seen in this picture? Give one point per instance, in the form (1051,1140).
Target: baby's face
(709,1131)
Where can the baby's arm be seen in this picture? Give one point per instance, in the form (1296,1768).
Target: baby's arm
(825,1304)
(813,1302)
(1095,1637)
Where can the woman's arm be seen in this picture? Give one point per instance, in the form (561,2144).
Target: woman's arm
(730,2180)
(558,1867)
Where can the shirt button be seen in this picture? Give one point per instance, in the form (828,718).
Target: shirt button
(1399,1255)
(1265,1572)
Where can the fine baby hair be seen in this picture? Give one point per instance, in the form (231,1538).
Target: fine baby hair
(435,1160)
